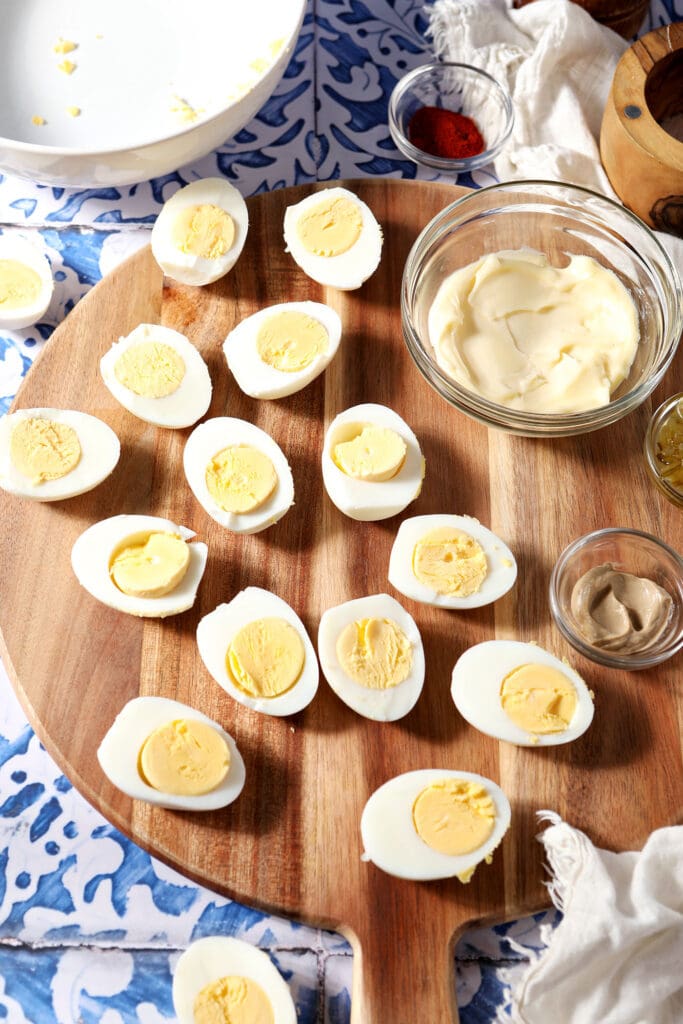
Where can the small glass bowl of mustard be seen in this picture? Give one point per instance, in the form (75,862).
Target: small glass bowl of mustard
(625,551)
(664,448)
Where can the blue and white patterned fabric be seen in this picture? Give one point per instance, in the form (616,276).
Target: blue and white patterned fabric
(90,925)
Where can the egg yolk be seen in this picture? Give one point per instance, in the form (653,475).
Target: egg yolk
(454,816)
(538,698)
(330,227)
(149,564)
(375,653)
(205,230)
(290,341)
(19,285)
(151,369)
(233,1000)
(450,562)
(240,478)
(371,453)
(184,757)
(266,657)
(44,450)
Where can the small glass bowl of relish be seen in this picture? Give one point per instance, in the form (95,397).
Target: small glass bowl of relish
(664,448)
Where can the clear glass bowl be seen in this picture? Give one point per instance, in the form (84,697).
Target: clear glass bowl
(629,551)
(560,220)
(463,89)
(673,406)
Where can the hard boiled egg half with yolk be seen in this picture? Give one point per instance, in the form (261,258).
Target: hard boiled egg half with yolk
(238,473)
(200,231)
(26,283)
(142,565)
(221,979)
(450,561)
(171,755)
(281,349)
(434,823)
(257,649)
(372,656)
(157,374)
(334,237)
(520,693)
(52,454)
(372,463)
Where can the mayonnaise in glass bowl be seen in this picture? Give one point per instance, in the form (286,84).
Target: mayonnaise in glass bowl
(560,221)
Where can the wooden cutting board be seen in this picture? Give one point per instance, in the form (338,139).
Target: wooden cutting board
(291,842)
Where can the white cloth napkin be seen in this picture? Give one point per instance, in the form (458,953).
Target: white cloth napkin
(558,64)
(617,955)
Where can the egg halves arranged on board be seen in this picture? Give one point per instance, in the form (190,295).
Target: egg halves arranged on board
(520,693)
(142,565)
(52,454)
(169,754)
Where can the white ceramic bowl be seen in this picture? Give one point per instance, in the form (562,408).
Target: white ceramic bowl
(141,67)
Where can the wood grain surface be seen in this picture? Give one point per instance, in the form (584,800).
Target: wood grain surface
(291,842)
(644,162)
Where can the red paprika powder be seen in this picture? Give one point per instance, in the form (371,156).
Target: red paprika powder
(444,133)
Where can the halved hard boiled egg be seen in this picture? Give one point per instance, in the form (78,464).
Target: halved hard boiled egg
(334,237)
(171,755)
(434,823)
(450,561)
(372,656)
(219,978)
(520,693)
(281,349)
(142,565)
(52,454)
(157,374)
(372,463)
(256,647)
(26,283)
(200,231)
(238,473)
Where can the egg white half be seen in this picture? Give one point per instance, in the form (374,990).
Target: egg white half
(220,956)
(100,451)
(186,267)
(349,269)
(380,705)
(367,500)
(119,751)
(186,404)
(502,567)
(260,380)
(392,843)
(207,440)
(22,251)
(216,631)
(475,689)
(92,551)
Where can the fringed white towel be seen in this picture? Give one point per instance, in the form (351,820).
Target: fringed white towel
(617,955)
(558,64)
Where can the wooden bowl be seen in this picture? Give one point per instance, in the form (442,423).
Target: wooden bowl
(623,16)
(643,160)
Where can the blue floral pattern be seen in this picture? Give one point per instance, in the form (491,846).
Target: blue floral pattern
(90,925)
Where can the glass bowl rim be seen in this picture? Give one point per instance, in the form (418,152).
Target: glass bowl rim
(518,421)
(421,156)
(654,423)
(610,659)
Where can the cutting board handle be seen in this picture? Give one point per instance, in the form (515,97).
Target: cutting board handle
(404,974)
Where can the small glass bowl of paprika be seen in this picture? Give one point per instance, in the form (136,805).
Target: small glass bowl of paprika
(452,117)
